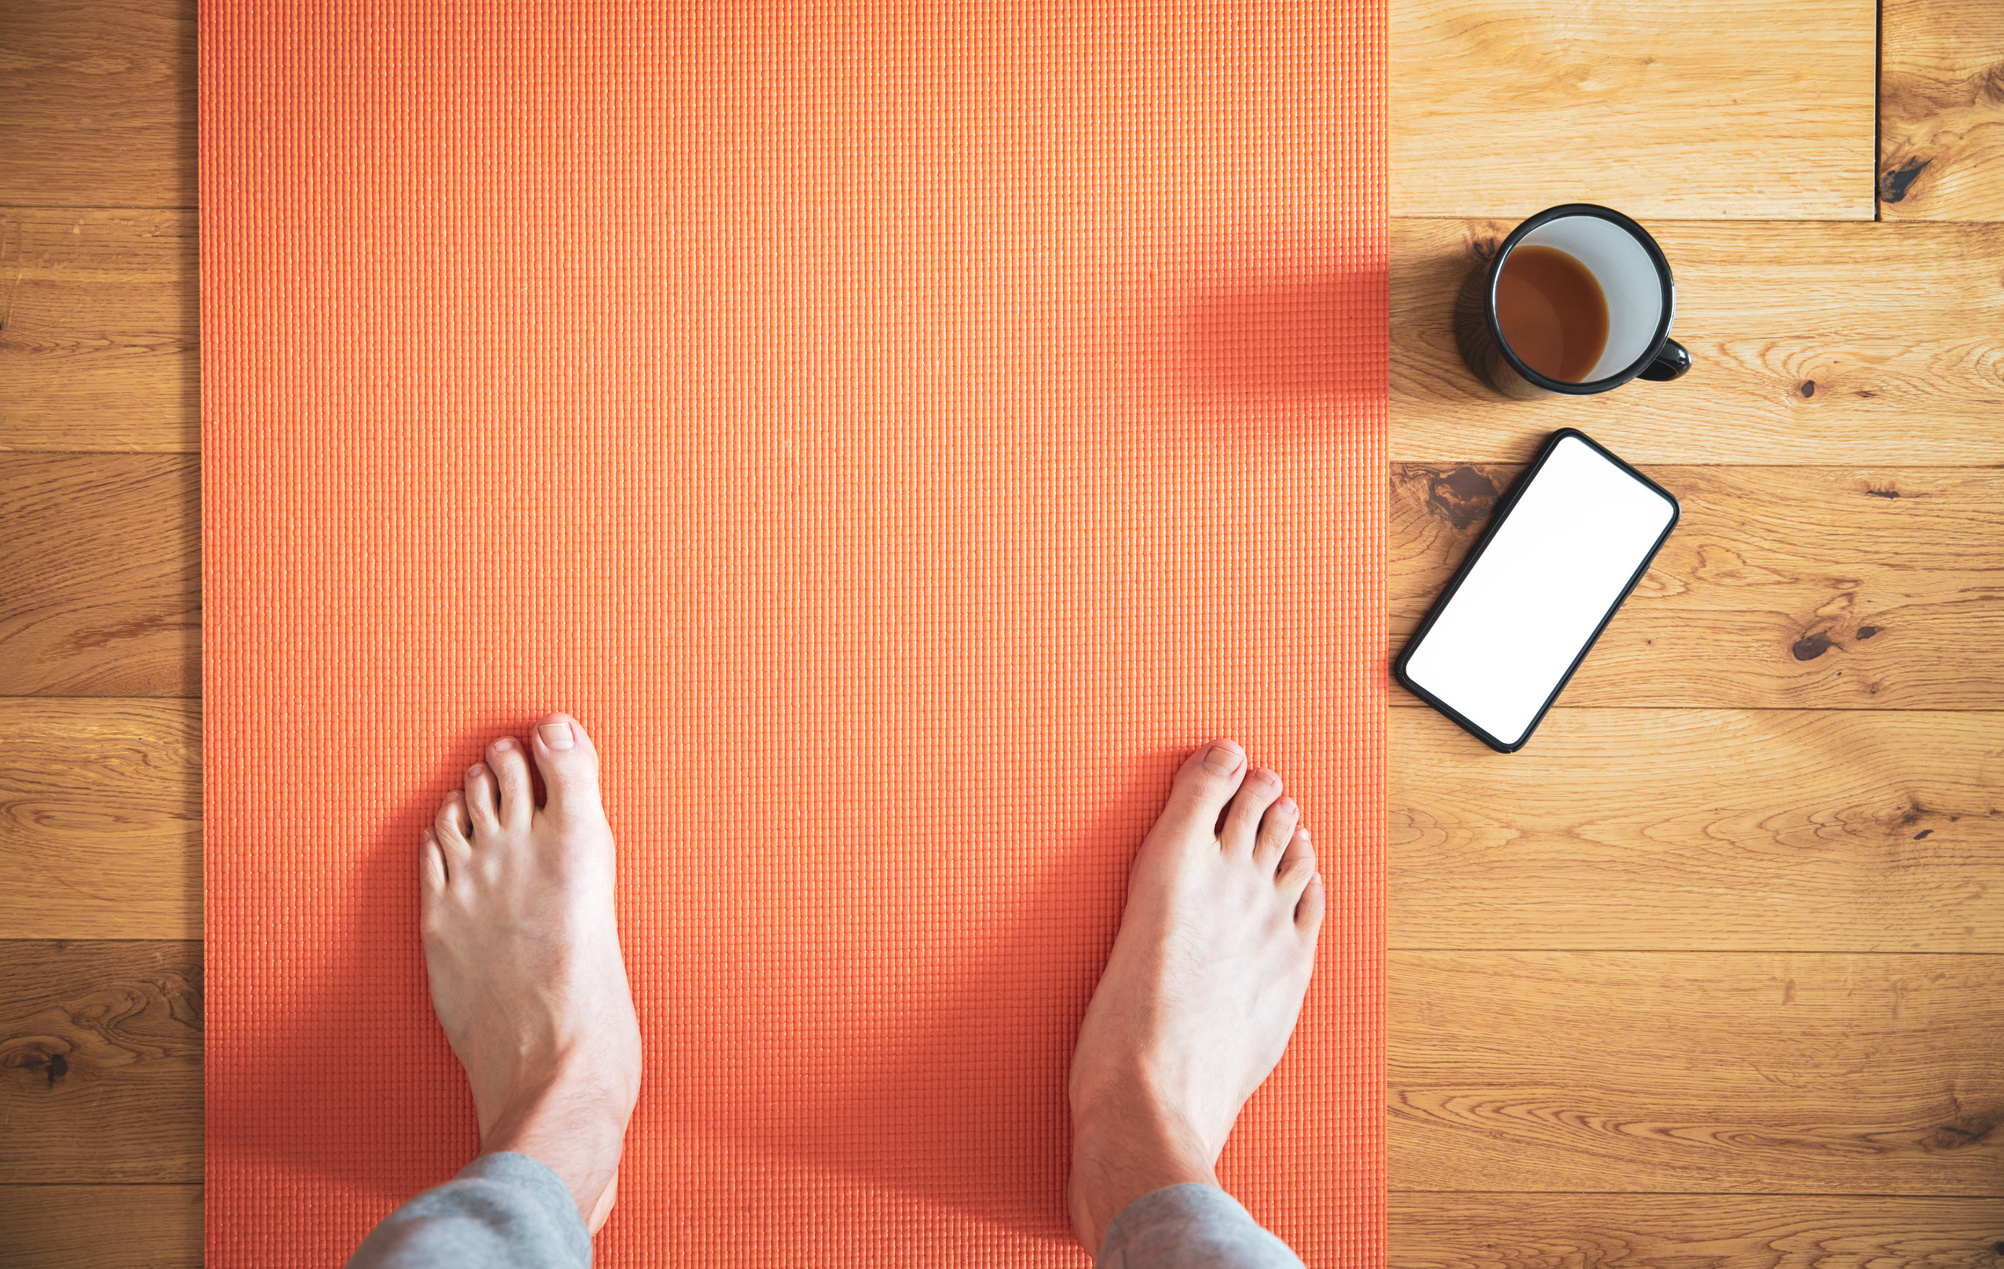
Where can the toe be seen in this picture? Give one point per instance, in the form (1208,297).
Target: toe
(1207,780)
(1260,791)
(569,763)
(431,864)
(453,829)
(1308,913)
(1276,830)
(482,801)
(1297,867)
(511,776)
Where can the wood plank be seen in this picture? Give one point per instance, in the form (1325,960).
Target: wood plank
(100,576)
(100,819)
(1696,1072)
(107,118)
(100,1062)
(1653,1231)
(102,1226)
(1781,587)
(1814,343)
(98,348)
(1941,110)
(100,104)
(1823,830)
(1707,109)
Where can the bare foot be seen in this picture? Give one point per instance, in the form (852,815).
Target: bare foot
(1201,992)
(523,952)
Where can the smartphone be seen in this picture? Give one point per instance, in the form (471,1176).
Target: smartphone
(1566,545)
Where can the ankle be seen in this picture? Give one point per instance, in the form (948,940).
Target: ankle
(585,1157)
(1118,1157)
(579,1139)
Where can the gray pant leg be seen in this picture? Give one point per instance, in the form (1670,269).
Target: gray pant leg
(1190,1227)
(504,1211)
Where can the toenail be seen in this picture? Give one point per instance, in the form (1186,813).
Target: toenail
(556,735)
(1223,759)
(474,771)
(1266,777)
(505,743)
(1287,806)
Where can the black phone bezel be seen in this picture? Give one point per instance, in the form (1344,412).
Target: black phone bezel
(1503,509)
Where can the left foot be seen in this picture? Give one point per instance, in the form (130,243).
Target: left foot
(522,949)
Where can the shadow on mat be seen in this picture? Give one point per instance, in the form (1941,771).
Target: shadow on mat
(1282,339)
(1282,333)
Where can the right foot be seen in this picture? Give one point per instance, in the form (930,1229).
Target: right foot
(522,949)
(1202,990)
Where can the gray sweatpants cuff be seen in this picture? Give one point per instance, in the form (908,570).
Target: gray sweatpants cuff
(1190,1227)
(502,1210)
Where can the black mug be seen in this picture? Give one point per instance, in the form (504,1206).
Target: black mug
(1634,282)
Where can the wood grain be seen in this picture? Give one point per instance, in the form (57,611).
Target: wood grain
(100,103)
(1652,1231)
(160,1227)
(1814,344)
(97,330)
(1497,110)
(100,575)
(1851,343)
(101,1226)
(1693,1072)
(1696,1072)
(100,1062)
(100,819)
(1704,110)
(1689,1071)
(1941,110)
(1781,587)
(1645,829)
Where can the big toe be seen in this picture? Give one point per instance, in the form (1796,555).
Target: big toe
(569,763)
(1206,782)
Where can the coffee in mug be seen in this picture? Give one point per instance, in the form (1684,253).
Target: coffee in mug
(1552,312)
(1578,299)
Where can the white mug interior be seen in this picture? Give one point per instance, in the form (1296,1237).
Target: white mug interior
(1628,278)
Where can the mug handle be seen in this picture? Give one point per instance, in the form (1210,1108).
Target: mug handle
(1672,360)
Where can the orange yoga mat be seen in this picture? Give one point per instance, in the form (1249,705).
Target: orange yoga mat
(899,432)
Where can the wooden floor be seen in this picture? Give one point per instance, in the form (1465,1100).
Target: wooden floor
(1712,974)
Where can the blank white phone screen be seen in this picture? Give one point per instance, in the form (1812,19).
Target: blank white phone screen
(1556,566)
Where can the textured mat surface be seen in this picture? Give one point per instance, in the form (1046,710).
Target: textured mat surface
(899,432)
